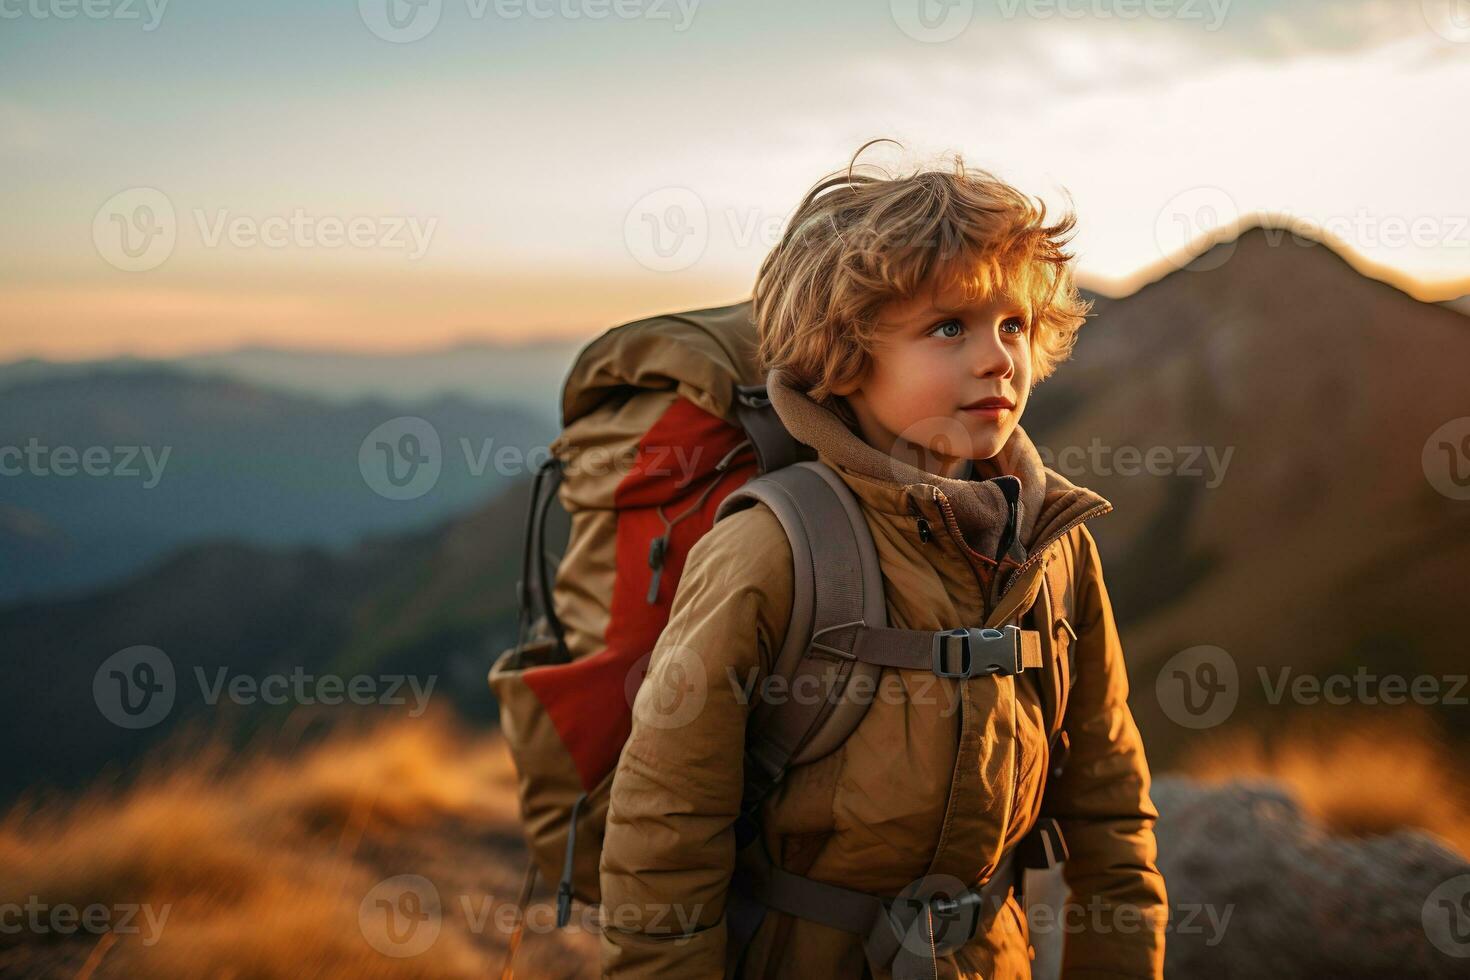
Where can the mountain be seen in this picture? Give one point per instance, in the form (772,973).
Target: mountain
(434,605)
(520,374)
(1325,535)
(108,470)
(1301,516)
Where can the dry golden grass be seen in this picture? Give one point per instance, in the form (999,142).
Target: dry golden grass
(264,861)
(1358,773)
(261,864)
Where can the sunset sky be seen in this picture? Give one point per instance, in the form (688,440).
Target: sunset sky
(199,175)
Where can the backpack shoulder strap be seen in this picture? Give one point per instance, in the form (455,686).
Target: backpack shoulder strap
(837,632)
(838,629)
(827,532)
(775,448)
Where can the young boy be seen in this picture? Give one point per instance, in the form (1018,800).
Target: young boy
(904,322)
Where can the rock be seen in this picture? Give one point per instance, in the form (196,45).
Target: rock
(1258,889)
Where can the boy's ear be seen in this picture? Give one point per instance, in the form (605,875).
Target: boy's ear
(848,387)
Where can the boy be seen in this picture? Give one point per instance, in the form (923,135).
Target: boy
(904,322)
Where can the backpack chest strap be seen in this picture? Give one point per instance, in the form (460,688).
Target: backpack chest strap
(957,653)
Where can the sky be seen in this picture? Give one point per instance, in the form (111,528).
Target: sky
(192,175)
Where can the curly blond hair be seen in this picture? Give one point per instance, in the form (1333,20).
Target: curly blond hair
(858,241)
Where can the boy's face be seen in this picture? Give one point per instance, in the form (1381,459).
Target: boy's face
(935,355)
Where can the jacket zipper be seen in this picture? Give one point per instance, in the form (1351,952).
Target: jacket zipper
(953,526)
(1043,545)
(1015,701)
(1006,535)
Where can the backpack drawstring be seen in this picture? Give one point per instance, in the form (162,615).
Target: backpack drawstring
(658,548)
(563,893)
(528,884)
(564,887)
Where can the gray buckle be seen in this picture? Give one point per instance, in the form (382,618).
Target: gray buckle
(981,651)
(752,396)
(953,920)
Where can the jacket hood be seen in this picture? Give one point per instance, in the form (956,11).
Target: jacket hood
(1045,499)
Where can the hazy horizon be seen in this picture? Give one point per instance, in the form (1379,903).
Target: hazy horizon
(333,178)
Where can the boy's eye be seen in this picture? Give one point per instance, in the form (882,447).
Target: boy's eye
(948,323)
(1017,322)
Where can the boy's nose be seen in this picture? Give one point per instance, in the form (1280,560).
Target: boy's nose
(992,360)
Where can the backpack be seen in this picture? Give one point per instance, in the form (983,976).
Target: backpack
(678,402)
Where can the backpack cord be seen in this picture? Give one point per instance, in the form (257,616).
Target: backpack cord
(658,548)
(564,887)
(535,584)
(507,969)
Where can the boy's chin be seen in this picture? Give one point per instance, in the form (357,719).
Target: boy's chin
(989,438)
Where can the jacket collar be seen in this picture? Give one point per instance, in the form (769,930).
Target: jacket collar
(1047,502)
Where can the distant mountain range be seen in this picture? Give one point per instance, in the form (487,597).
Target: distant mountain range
(107,470)
(528,375)
(1262,421)
(436,605)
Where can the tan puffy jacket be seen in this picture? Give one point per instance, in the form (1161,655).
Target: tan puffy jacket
(939,776)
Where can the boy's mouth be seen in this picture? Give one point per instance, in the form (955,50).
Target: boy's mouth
(989,408)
